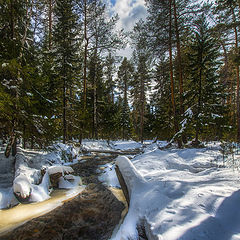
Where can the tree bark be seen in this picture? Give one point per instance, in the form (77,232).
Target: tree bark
(10,144)
(95,127)
(237,77)
(50,25)
(85,57)
(95,131)
(125,101)
(179,63)
(176,128)
(142,101)
(197,129)
(64,88)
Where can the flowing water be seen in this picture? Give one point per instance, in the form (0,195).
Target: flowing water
(16,216)
(96,213)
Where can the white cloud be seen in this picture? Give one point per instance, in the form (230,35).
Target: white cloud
(129,11)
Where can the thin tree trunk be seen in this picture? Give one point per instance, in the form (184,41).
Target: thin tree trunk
(142,110)
(50,25)
(64,89)
(12,22)
(125,102)
(179,62)
(85,57)
(10,143)
(95,131)
(95,127)
(196,142)
(64,112)
(237,78)
(142,103)
(171,74)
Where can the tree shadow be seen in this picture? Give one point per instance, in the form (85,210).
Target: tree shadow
(222,226)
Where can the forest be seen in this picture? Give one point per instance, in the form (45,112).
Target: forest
(63,79)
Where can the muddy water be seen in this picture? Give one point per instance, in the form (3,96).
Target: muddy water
(16,216)
(91,215)
(118,193)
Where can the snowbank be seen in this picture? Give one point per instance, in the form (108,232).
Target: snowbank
(109,176)
(96,145)
(126,145)
(180,194)
(33,171)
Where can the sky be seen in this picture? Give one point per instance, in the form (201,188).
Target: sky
(129,12)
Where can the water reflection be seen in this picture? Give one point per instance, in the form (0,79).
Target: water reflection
(16,216)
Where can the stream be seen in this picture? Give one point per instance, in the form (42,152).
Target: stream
(90,212)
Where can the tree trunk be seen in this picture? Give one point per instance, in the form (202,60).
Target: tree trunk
(95,131)
(142,100)
(85,57)
(237,77)
(14,147)
(179,62)
(64,111)
(125,102)
(50,25)
(197,129)
(176,128)
(95,127)
(10,144)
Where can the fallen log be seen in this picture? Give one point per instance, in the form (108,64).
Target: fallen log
(123,185)
(111,151)
(128,176)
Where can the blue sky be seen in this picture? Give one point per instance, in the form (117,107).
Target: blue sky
(113,2)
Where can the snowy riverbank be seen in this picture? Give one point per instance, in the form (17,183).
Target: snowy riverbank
(29,174)
(180,194)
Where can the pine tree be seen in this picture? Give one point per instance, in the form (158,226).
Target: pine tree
(228,15)
(18,69)
(140,83)
(66,58)
(125,76)
(205,92)
(160,100)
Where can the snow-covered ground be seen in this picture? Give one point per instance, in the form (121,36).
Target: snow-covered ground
(126,145)
(31,180)
(180,194)
(176,193)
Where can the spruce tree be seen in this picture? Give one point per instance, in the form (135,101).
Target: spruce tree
(18,70)
(141,80)
(125,76)
(205,92)
(66,58)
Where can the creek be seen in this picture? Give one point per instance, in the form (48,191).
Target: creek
(91,212)
(18,215)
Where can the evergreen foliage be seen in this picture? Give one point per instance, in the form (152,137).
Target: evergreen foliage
(61,78)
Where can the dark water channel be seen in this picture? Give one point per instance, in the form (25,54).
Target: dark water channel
(92,214)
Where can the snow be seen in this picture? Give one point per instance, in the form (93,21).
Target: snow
(61,169)
(6,197)
(109,176)
(88,145)
(180,194)
(69,182)
(27,182)
(126,145)
(22,186)
(175,193)
(5,65)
